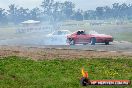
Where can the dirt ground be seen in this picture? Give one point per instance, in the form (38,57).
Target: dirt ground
(46,53)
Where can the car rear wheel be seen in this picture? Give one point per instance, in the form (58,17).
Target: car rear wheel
(84,43)
(93,41)
(106,43)
(71,42)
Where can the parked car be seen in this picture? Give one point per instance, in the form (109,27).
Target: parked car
(58,37)
(81,37)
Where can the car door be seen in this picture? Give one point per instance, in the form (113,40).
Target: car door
(82,38)
(88,38)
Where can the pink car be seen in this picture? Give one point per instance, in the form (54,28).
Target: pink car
(80,37)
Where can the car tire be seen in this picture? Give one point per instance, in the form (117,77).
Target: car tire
(93,41)
(106,43)
(71,42)
(84,43)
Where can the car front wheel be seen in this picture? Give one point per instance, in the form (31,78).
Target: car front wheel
(93,41)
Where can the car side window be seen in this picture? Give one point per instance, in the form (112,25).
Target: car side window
(82,33)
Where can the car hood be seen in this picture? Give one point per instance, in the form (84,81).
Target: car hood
(102,35)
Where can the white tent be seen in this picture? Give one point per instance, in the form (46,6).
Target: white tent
(30,22)
(33,26)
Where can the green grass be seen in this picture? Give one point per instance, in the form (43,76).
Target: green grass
(18,72)
(123,36)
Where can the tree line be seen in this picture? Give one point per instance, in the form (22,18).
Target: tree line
(54,11)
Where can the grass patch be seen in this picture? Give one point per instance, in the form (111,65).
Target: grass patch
(123,36)
(17,72)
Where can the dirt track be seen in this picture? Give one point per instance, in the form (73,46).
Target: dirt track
(46,53)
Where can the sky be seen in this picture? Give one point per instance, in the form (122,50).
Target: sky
(80,4)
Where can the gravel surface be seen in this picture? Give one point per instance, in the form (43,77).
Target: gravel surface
(41,53)
(37,49)
(122,46)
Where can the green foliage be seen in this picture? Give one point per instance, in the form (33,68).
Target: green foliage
(123,36)
(55,11)
(17,72)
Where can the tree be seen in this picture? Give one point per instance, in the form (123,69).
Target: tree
(68,8)
(115,10)
(47,6)
(99,12)
(78,15)
(35,14)
(90,15)
(57,11)
(3,18)
(129,12)
(12,16)
(107,12)
(123,11)
(22,14)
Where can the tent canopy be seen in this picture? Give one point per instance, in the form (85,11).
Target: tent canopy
(30,22)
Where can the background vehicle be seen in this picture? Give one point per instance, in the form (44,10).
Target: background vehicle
(58,37)
(80,37)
